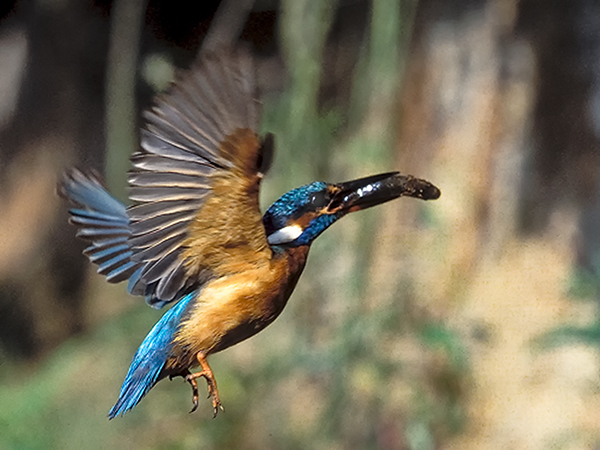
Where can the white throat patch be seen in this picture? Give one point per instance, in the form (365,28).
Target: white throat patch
(285,235)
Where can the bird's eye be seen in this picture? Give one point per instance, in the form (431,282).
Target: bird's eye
(319,199)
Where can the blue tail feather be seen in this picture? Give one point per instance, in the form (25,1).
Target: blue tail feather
(150,358)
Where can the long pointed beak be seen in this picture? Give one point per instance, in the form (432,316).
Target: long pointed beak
(377,189)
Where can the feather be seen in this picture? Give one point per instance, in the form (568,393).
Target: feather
(150,358)
(145,211)
(203,130)
(103,221)
(100,256)
(147,239)
(122,272)
(155,163)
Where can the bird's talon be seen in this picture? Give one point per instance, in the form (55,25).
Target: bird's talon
(194,401)
(192,380)
(216,407)
(211,383)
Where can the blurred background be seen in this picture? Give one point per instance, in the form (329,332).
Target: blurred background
(467,323)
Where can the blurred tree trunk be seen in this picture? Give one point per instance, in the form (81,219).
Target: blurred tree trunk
(496,110)
(57,121)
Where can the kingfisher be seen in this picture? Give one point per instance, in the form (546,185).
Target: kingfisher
(194,237)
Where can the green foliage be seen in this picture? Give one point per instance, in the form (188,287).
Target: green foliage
(585,282)
(588,335)
(584,285)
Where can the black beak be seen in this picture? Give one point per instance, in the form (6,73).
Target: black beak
(377,189)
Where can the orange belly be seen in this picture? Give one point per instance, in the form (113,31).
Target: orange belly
(230,309)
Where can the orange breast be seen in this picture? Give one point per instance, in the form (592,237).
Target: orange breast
(235,307)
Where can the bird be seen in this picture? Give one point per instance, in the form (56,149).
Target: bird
(194,237)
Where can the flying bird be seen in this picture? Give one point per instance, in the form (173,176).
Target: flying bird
(194,237)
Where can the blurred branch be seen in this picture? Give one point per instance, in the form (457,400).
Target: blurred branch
(14,50)
(304,29)
(227,24)
(123,52)
(376,86)
(374,100)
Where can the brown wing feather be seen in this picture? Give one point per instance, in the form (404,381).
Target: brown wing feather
(195,179)
(228,233)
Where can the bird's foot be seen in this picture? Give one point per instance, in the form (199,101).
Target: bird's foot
(194,385)
(213,393)
(192,380)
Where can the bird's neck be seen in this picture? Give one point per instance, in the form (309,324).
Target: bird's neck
(297,257)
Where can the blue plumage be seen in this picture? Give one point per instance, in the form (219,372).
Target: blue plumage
(150,358)
(100,256)
(293,205)
(88,192)
(316,227)
(103,220)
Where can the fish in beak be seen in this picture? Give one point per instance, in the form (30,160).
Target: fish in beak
(374,190)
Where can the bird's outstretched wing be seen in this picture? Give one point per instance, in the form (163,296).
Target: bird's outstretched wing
(195,180)
(194,187)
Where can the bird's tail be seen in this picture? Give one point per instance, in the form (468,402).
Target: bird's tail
(103,221)
(150,358)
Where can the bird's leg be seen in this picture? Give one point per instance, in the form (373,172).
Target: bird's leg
(207,373)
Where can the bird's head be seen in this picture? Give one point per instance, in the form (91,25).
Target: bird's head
(302,214)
